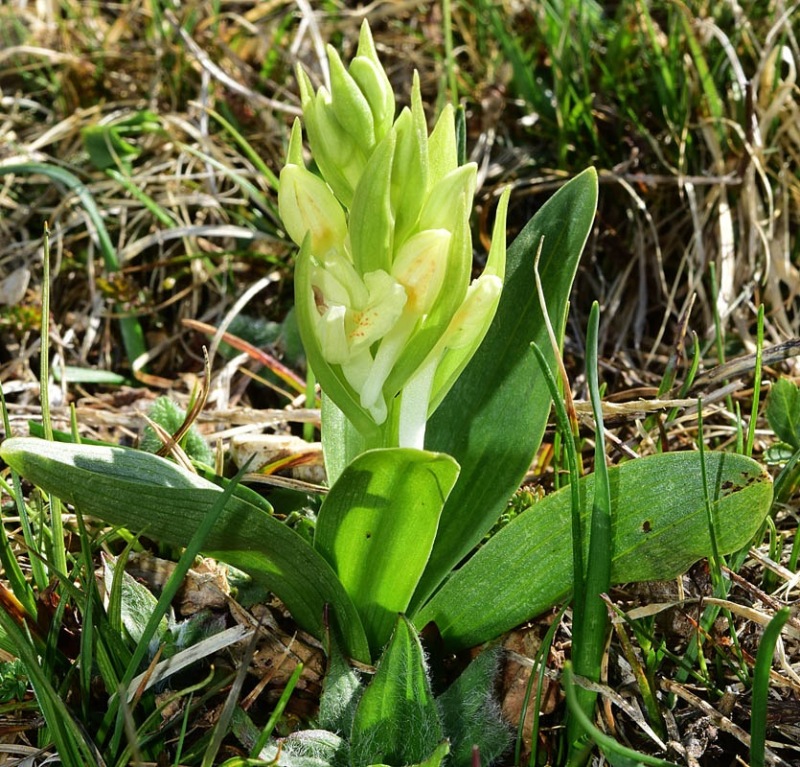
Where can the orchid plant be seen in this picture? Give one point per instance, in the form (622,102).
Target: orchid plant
(434,406)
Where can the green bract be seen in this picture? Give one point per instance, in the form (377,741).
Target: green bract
(386,310)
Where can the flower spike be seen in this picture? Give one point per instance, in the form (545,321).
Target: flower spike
(385,306)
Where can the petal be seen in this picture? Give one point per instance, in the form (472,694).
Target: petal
(332,335)
(386,301)
(389,350)
(339,283)
(421,266)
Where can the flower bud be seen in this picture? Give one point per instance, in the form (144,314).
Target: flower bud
(367,71)
(351,108)
(308,207)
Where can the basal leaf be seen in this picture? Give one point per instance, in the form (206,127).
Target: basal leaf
(151,495)
(376,528)
(660,527)
(397,722)
(493,419)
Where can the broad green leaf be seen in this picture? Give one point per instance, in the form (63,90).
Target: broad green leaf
(783,411)
(397,722)
(470,714)
(151,495)
(659,528)
(376,528)
(494,417)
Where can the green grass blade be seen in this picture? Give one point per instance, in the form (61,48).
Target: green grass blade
(132,334)
(589,634)
(169,592)
(11,569)
(56,519)
(562,419)
(277,712)
(751,427)
(162,215)
(245,146)
(69,739)
(758,721)
(616,752)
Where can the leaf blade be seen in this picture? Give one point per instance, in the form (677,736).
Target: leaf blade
(376,529)
(659,530)
(133,489)
(502,388)
(397,721)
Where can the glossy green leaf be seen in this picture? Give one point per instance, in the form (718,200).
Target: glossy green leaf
(494,417)
(660,528)
(376,528)
(153,496)
(397,721)
(783,411)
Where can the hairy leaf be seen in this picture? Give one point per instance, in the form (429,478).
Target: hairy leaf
(397,722)
(470,714)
